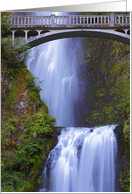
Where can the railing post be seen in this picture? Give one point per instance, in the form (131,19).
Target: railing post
(111,19)
(52,21)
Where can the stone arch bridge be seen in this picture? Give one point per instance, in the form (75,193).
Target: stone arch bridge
(36,30)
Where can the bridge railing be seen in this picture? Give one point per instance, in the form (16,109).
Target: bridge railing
(70,21)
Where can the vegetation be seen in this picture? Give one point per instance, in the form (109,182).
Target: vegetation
(125,172)
(4,26)
(106,76)
(26,126)
(106,98)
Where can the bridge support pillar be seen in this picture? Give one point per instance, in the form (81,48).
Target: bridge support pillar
(13,34)
(38,32)
(26,31)
(126,31)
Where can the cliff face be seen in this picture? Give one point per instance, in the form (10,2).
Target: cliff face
(122,159)
(26,130)
(104,84)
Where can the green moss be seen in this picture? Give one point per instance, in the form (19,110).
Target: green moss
(125,173)
(11,96)
(106,75)
(125,180)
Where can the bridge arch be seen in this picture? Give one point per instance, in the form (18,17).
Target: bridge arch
(128,32)
(44,31)
(53,35)
(31,33)
(120,30)
(19,34)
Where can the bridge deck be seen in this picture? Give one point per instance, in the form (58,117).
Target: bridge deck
(39,29)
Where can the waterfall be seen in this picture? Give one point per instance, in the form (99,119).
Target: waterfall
(82,161)
(56,64)
(84,158)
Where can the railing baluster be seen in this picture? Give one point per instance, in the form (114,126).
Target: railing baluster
(126,20)
(71,20)
(97,19)
(38,20)
(108,20)
(76,20)
(90,20)
(18,21)
(59,21)
(9,20)
(31,21)
(104,20)
(101,20)
(24,21)
(49,21)
(83,20)
(34,21)
(28,21)
(94,21)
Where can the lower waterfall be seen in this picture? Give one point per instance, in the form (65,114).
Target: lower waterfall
(82,161)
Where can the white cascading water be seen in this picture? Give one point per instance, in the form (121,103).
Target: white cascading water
(82,161)
(84,158)
(55,63)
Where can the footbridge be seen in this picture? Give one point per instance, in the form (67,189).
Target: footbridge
(36,30)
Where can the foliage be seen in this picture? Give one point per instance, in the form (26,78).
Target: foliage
(11,96)
(4,26)
(26,152)
(26,135)
(34,83)
(106,74)
(41,125)
(24,164)
(7,131)
(125,180)
(35,144)
(11,50)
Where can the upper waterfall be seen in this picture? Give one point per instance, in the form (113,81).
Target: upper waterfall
(56,64)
